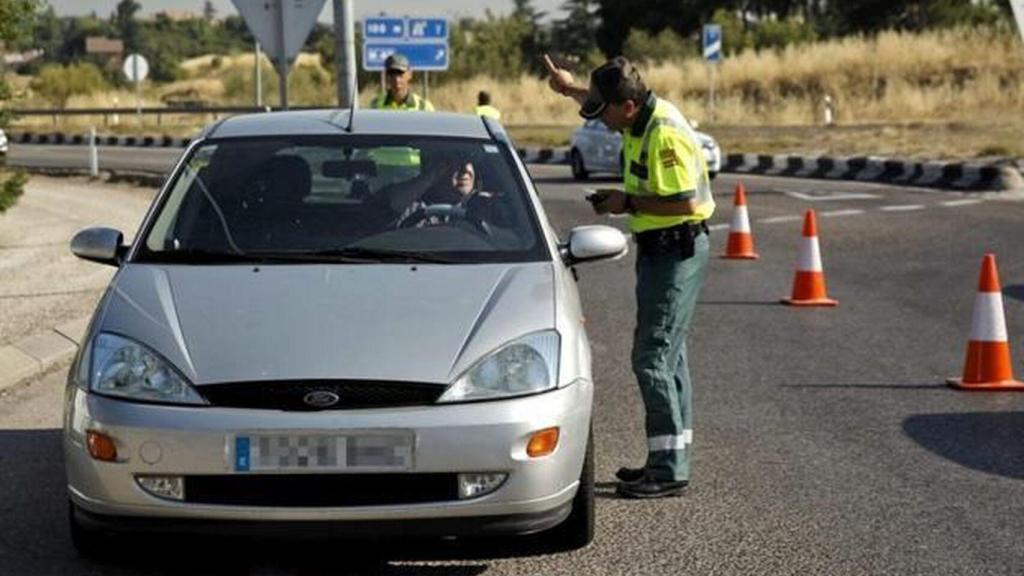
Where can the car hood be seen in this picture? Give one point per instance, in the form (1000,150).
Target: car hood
(424,323)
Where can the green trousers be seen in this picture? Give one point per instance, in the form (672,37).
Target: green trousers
(666,293)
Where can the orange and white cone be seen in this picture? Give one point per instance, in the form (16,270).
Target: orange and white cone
(809,282)
(741,241)
(988,365)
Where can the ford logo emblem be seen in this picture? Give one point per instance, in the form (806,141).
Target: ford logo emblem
(321,399)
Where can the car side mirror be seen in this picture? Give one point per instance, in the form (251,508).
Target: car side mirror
(591,243)
(103,245)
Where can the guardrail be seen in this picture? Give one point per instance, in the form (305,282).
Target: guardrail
(158,111)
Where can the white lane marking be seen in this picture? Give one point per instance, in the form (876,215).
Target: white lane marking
(718,226)
(902,208)
(779,219)
(826,196)
(835,213)
(967,202)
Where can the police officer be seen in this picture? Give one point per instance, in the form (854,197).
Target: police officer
(483,106)
(668,198)
(399,94)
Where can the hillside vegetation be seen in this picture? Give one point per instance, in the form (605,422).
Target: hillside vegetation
(964,76)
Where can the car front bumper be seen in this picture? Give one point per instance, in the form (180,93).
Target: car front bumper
(458,438)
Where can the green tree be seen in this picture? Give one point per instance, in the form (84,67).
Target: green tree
(576,34)
(123,19)
(57,84)
(15,20)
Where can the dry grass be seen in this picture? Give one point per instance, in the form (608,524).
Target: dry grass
(961,90)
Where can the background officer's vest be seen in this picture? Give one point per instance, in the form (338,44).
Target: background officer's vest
(489,111)
(412,102)
(640,153)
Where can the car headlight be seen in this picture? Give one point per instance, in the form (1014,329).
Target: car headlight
(525,366)
(127,369)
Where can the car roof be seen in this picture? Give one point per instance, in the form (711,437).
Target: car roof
(334,121)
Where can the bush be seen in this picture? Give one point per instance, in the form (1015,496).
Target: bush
(57,84)
(12,187)
(641,46)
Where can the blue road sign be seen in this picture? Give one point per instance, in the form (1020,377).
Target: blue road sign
(712,41)
(421,55)
(388,28)
(428,28)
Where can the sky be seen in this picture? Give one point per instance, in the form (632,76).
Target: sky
(362,8)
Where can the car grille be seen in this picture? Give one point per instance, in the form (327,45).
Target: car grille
(321,490)
(290,395)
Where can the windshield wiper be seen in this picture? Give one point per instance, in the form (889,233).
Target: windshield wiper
(201,256)
(364,254)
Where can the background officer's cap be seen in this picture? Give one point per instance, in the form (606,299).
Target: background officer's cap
(396,62)
(611,82)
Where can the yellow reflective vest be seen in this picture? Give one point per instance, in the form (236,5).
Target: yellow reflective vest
(413,101)
(663,157)
(489,111)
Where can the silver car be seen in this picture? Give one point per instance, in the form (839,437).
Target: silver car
(596,148)
(340,325)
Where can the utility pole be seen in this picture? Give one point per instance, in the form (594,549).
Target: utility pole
(345,54)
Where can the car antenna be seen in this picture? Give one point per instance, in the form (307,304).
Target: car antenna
(352,105)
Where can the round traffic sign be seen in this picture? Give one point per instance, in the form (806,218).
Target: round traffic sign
(136,68)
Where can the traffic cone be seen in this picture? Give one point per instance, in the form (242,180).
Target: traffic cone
(809,282)
(741,241)
(988,365)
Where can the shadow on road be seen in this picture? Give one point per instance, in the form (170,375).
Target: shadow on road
(34,538)
(983,441)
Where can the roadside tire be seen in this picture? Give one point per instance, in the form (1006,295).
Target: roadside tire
(88,543)
(577,531)
(579,170)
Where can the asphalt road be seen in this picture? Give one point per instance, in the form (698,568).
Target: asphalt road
(826,440)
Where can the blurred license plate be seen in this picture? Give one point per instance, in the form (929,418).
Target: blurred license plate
(311,452)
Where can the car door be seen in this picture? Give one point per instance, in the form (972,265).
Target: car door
(610,148)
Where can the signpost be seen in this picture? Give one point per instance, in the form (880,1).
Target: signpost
(711,40)
(424,41)
(136,68)
(281,27)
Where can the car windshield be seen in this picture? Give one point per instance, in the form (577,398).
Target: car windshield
(352,199)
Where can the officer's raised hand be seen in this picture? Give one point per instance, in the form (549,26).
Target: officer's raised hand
(559,79)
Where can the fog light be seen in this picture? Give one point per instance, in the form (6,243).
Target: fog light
(101,446)
(474,485)
(542,443)
(171,487)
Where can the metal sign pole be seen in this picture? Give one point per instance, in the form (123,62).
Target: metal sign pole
(282,58)
(258,73)
(138,89)
(345,53)
(714,80)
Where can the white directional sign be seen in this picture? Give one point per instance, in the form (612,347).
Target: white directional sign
(136,68)
(280,26)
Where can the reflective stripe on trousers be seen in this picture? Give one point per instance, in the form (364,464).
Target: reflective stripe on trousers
(666,292)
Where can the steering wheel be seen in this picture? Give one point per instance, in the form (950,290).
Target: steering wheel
(454,214)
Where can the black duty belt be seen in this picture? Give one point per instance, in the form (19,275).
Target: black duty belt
(672,240)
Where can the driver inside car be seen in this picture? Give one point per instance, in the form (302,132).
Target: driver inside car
(452,196)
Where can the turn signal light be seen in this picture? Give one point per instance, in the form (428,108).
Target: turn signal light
(101,446)
(542,443)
